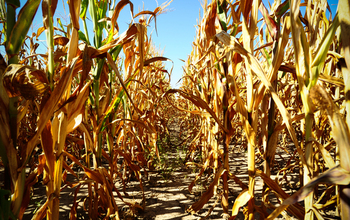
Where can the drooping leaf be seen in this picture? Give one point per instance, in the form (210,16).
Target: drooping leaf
(25,81)
(60,40)
(50,107)
(121,4)
(336,175)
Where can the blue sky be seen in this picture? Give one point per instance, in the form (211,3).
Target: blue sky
(176,29)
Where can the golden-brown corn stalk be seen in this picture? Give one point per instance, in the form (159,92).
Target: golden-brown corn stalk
(263,64)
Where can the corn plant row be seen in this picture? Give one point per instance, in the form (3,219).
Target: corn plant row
(86,104)
(269,77)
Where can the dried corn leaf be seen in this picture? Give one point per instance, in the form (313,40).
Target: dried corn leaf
(94,175)
(60,40)
(234,45)
(41,213)
(340,130)
(335,175)
(241,200)
(76,108)
(209,27)
(270,23)
(50,107)
(208,194)
(326,156)
(73,211)
(25,81)
(199,103)
(296,209)
(48,147)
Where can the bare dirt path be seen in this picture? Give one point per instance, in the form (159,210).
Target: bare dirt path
(165,190)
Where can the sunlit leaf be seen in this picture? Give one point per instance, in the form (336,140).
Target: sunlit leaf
(241,200)
(21,28)
(50,106)
(321,53)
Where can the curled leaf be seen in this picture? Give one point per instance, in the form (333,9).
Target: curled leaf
(60,40)
(24,81)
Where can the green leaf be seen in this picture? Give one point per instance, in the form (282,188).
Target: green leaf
(282,8)
(268,58)
(322,50)
(20,30)
(84,7)
(221,10)
(101,14)
(61,25)
(116,50)
(94,17)
(82,36)
(5,205)
(102,9)
(113,106)
(97,73)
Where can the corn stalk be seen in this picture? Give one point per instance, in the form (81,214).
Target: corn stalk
(16,30)
(267,71)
